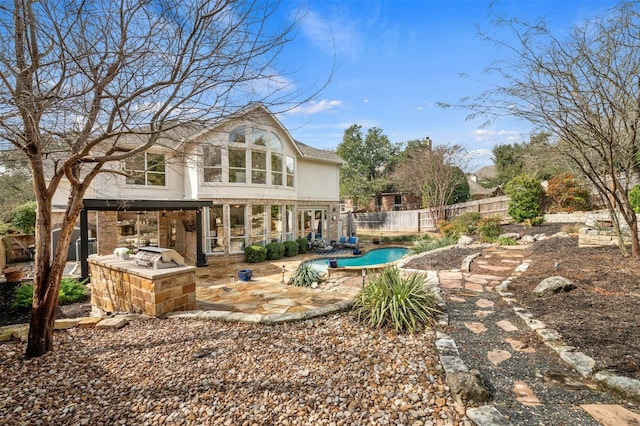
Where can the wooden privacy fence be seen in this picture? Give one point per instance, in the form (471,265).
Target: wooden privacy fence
(421,220)
(487,207)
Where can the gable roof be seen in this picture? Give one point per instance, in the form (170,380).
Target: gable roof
(318,154)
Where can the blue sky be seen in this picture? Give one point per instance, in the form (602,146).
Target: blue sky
(395,59)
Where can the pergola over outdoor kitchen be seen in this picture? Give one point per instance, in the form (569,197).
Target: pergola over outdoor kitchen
(132,205)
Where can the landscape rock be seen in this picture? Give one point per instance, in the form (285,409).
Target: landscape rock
(552,285)
(510,235)
(468,388)
(527,239)
(465,240)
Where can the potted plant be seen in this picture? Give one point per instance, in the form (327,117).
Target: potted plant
(13,275)
(245,274)
(122,253)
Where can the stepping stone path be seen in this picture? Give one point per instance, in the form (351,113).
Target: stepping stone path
(511,359)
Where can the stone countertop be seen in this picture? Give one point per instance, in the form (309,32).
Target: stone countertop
(113,262)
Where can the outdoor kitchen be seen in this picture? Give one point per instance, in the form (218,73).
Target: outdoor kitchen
(154,281)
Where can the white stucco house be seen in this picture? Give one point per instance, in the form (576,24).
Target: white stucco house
(208,192)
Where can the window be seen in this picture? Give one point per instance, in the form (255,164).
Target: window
(259,137)
(212,163)
(214,233)
(237,166)
(289,225)
(238,135)
(277,224)
(237,233)
(145,169)
(137,229)
(290,171)
(277,166)
(258,230)
(258,167)
(274,142)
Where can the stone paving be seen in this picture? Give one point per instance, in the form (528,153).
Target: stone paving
(530,383)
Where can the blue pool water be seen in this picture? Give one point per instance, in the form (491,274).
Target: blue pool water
(370,258)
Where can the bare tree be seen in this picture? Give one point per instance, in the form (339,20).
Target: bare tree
(436,174)
(80,79)
(584,89)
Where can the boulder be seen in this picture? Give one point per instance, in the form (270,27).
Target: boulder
(527,239)
(465,241)
(468,389)
(512,235)
(553,285)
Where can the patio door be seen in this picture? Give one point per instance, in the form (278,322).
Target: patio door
(313,223)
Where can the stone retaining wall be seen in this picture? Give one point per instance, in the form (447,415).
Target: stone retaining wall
(592,237)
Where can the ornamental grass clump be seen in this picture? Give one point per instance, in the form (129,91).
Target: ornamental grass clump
(428,243)
(391,301)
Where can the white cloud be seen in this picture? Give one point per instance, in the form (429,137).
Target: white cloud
(331,38)
(314,107)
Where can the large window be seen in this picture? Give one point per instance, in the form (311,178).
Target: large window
(237,232)
(258,167)
(277,224)
(258,228)
(262,165)
(238,135)
(237,166)
(290,171)
(146,169)
(137,229)
(277,169)
(212,163)
(214,233)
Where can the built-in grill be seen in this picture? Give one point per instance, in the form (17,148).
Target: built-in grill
(158,258)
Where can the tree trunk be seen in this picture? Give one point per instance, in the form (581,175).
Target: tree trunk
(48,275)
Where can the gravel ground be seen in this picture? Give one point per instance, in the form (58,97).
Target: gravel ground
(329,370)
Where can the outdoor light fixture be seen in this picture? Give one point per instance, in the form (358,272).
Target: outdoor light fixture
(282,274)
(364,274)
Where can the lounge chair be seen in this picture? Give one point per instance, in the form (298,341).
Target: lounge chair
(352,242)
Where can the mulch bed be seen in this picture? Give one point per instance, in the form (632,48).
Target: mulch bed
(599,317)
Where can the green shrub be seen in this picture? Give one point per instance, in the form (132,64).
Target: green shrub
(305,275)
(534,221)
(391,301)
(71,291)
(506,241)
(290,248)
(275,250)
(255,254)
(464,224)
(397,239)
(303,245)
(489,229)
(634,198)
(525,198)
(428,243)
(23,217)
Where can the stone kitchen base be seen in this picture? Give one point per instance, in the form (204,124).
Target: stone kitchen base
(122,286)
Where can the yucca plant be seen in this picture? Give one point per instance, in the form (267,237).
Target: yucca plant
(305,275)
(392,301)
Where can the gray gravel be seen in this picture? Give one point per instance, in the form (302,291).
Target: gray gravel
(326,371)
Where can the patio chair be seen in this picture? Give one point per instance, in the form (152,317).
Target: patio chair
(352,242)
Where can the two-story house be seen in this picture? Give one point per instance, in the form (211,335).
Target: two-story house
(214,190)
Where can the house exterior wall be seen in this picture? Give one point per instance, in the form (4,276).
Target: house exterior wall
(315,186)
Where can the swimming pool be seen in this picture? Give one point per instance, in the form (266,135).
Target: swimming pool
(370,258)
